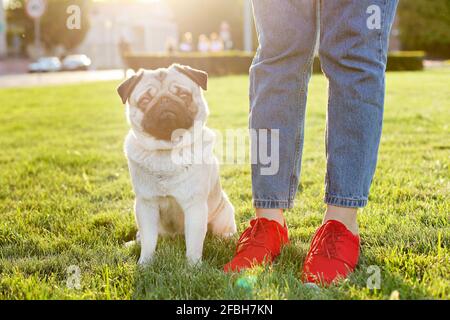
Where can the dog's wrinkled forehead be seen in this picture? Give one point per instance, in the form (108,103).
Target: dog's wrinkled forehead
(188,78)
(164,77)
(163,80)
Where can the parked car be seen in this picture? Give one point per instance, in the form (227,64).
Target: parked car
(45,64)
(76,62)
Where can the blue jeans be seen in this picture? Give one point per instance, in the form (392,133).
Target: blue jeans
(353,44)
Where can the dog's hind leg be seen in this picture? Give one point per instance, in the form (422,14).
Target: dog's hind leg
(223,223)
(133,242)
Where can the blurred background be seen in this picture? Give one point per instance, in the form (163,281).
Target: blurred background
(68,35)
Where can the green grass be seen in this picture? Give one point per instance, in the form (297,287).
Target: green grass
(65,199)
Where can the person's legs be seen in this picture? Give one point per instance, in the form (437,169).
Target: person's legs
(346,216)
(279,75)
(270,214)
(353,53)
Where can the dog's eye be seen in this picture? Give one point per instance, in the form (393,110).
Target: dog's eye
(185,96)
(144,101)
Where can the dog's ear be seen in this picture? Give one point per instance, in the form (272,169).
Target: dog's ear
(198,76)
(126,88)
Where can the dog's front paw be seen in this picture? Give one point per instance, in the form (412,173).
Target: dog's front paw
(145,259)
(194,260)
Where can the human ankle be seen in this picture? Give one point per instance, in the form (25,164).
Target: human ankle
(271,214)
(347,216)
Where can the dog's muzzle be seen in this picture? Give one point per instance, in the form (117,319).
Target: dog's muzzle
(166,116)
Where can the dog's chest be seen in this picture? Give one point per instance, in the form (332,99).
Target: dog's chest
(156,174)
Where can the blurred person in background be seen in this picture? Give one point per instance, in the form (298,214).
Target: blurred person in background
(186,43)
(124,48)
(203,43)
(225,35)
(216,43)
(171,45)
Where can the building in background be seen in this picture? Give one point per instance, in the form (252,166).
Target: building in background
(142,26)
(3,49)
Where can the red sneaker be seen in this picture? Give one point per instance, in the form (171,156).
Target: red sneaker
(333,254)
(261,242)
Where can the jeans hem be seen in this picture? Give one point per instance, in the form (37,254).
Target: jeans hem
(345,201)
(273,204)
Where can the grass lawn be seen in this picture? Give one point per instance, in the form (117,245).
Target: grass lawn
(65,199)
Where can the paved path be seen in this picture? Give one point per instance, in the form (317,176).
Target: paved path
(56,78)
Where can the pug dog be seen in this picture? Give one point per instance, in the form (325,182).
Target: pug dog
(167,112)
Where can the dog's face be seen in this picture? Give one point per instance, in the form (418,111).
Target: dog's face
(164,100)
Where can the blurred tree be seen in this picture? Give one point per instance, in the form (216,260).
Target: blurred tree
(425,25)
(18,23)
(54,30)
(205,16)
(54,23)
